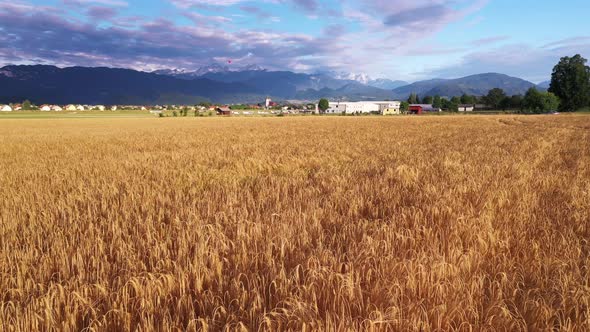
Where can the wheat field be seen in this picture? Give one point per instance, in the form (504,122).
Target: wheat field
(455,223)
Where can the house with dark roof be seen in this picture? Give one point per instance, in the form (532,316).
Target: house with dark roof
(223,110)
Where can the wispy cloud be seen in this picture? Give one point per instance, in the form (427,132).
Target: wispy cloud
(102,13)
(487,41)
(112,3)
(518,59)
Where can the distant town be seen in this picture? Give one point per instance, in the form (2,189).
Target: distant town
(496,100)
(270,108)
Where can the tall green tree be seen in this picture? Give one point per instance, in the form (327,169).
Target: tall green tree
(427,100)
(413,99)
(532,101)
(494,97)
(405,106)
(324,104)
(550,101)
(504,103)
(516,102)
(570,82)
(454,104)
(467,99)
(437,102)
(538,102)
(27,105)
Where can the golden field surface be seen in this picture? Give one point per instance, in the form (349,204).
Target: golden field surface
(452,223)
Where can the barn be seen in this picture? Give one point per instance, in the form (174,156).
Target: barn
(421,108)
(224,110)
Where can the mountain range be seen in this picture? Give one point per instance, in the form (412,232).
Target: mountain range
(477,85)
(221,84)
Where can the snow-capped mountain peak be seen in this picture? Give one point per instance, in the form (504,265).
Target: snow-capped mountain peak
(170,72)
(358,77)
(361,78)
(212,68)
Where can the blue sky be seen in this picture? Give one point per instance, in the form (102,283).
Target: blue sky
(396,39)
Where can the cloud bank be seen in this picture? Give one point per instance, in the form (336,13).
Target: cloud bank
(375,36)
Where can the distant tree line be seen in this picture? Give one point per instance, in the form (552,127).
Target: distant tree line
(569,91)
(533,101)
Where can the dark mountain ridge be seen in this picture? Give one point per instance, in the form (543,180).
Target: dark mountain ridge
(101,85)
(478,85)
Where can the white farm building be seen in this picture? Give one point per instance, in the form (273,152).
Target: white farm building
(5,108)
(466,108)
(365,107)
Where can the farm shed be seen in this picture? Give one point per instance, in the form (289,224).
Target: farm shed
(224,110)
(466,108)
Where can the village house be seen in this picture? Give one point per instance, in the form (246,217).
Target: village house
(70,107)
(223,110)
(56,108)
(466,108)
(389,107)
(100,107)
(45,108)
(80,108)
(365,107)
(352,107)
(5,108)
